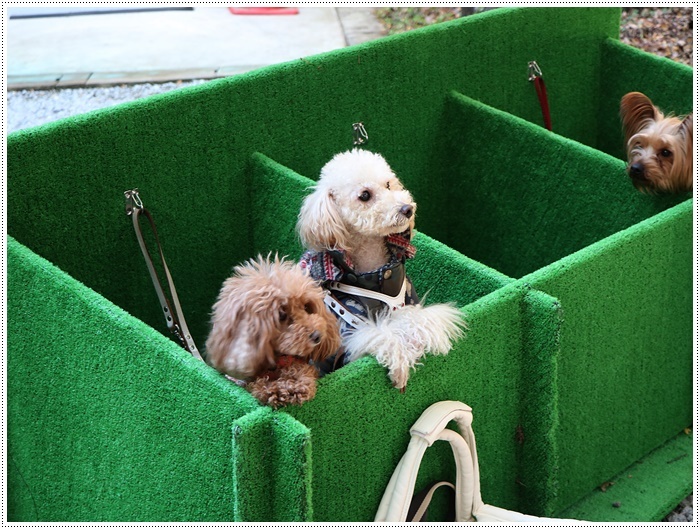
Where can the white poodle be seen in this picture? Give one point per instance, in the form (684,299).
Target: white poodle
(357,224)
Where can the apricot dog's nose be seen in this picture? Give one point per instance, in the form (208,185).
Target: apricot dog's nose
(407,211)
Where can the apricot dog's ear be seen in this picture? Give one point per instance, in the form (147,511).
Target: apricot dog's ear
(636,111)
(240,343)
(330,343)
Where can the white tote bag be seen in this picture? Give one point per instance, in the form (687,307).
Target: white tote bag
(430,427)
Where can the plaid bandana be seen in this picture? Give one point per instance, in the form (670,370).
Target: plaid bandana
(322,267)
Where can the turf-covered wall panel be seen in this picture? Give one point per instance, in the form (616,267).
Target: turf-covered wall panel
(79,223)
(107,420)
(490,368)
(668,84)
(271,468)
(535,437)
(626,363)
(539,198)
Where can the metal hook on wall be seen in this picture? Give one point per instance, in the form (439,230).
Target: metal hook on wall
(359,133)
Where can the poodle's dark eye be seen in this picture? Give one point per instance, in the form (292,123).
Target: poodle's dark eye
(388,185)
(665,153)
(365,195)
(309,308)
(283,315)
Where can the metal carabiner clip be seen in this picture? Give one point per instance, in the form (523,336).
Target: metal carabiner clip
(360,134)
(133,200)
(533,71)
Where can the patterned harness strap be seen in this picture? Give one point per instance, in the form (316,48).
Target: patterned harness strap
(334,270)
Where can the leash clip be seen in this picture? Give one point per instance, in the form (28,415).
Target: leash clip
(133,200)
(359,133)
(533,71)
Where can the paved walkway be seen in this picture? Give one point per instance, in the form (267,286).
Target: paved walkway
(62,46)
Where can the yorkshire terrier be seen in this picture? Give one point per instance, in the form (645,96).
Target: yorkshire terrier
(659,148)
(269,324)
(357,225)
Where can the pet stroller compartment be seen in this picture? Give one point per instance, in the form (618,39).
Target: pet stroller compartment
(533,197)
(579,311)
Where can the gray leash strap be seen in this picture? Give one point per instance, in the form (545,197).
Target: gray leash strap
(174,320)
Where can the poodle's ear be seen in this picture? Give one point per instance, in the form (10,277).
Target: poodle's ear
(240,343)
(331,338)
(320,226)
(636,111)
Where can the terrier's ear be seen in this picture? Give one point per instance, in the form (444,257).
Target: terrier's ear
(320,225)
(637,111)
(686,129)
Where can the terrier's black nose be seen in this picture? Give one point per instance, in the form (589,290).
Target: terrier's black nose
(315,337)
(636,171)
(407,211)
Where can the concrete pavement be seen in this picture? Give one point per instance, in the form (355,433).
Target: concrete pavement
(62,47)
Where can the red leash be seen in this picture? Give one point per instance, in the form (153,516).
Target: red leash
(535,75)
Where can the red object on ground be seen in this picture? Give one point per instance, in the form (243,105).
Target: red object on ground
(263,10)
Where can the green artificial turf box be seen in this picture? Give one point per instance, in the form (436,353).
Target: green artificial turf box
(576,288)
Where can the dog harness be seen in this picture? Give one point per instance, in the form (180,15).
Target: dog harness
(354,297)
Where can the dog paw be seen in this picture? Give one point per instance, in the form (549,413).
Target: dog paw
(282,393)
(398,340)
(438,327)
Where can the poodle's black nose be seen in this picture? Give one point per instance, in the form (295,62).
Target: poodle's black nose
(637,171)
(315,337)
(407,211)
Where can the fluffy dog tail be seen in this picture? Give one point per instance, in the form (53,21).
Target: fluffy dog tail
(399,339)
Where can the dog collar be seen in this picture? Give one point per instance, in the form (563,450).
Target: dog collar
(281,361)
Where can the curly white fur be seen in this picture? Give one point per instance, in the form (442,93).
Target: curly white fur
(356,203)
(400,338)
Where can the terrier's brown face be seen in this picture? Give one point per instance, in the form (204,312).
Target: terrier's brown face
(659,148)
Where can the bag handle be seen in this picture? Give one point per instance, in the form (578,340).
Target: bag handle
(431,427)
(421,501)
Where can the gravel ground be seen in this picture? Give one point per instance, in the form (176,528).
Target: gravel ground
(28,108)
(662,31)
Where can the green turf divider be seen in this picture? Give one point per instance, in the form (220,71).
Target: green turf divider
(535,197)
(668,84)
(646,491)
(505,369)
(108,420)
(535,438)
(443,275)
(625,369)
(280,191)
(575,287)
(271,460)
(71,177)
